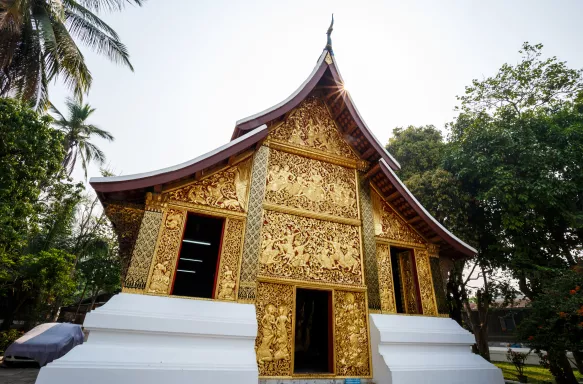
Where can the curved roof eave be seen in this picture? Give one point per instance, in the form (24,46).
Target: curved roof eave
(169,174)
(449,237)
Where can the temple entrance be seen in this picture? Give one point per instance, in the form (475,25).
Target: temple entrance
(198,257)
(313,332)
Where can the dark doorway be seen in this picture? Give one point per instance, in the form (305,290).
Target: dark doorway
(313,332)
(397,278)
(197,262)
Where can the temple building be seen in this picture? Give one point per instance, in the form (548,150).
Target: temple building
(292,252)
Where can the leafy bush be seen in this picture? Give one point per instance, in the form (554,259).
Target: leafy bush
(7,338)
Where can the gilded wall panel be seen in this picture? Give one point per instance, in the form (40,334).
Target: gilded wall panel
(164,261)
(312,185)
(274,308)
(371,275)
(232,244)
(386,284)
(252,244)
(389,225)
(425,283)
(226,189)
(409,293)
(137,275)
(311,126)
(126,220)
(302,248)
(351,334)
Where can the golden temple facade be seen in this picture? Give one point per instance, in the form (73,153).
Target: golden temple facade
(312,223)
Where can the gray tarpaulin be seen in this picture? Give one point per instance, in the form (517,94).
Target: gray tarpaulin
(47,342)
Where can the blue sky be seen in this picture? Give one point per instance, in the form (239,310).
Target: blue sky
(202,65)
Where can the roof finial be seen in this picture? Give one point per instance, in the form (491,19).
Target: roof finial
(329,42)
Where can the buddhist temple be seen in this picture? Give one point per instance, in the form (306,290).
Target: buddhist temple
(292,252)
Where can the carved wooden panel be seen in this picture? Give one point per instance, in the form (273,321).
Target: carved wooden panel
(310,125)
(389,225)
(126,221)
(223,190)
(386,284)
(409,293)
(371,275)
(137,275)
(351,334)
(302,248)
(273,346)
(312,185)
(425,283)
(228,275)
(164,262)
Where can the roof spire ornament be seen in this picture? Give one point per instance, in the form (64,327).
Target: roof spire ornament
(329,33)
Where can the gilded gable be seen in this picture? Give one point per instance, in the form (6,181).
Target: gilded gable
(311,126)
(389,225)
(226,189)
(313,185)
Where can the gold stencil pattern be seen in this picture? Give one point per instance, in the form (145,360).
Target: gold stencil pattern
(425,283)
(408,283)
(302,248)
(369,247)
(387,287)
(137,275)
(164,263)
(225,190)
(273,346)
(391,226)
(310,125)
(229,259)
(312,185)
(250,256)
(351,334)
(126,220)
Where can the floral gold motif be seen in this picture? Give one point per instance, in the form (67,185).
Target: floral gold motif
(310,125)
(312,185)
(164,261)
(428,304)
(371,265)
(386,286)
(225,189)
(389,225)
(229,259)
(408,283)
(302,248)
(352,353)
(137,275)
(274,318)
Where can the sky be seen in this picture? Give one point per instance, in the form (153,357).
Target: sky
(202,65)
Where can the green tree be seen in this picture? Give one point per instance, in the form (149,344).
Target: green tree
(31,153)
(77,135)
(37,44)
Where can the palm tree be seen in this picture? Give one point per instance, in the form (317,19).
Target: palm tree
(77,135)
(37,45)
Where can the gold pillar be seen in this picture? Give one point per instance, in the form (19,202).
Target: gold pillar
(428,303)
(228,272)
(409,292)
(371,266)
(386,284)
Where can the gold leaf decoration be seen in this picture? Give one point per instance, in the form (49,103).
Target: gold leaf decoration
(351,328)
(311,126)
(386,285)
(408,283)
(425,283)
(389,225)
(273,346)
(137,275)
(229,259)
(164,262)
(224,190)
(302,248)
(311,185)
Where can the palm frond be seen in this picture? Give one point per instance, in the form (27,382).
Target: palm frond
(73,7)
(91,129)
(92,152)
(108,5)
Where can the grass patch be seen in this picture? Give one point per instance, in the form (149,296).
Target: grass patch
(535,373)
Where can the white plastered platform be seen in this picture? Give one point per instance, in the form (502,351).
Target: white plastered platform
(418,350)
(161,340)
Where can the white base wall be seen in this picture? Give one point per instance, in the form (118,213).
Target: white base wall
(161,340)
(418,349)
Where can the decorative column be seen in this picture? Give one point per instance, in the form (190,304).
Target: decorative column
(229,260)
(137,276)
(386,284)
(371,274)
(252,244)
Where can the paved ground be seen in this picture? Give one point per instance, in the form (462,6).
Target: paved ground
(18,375)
